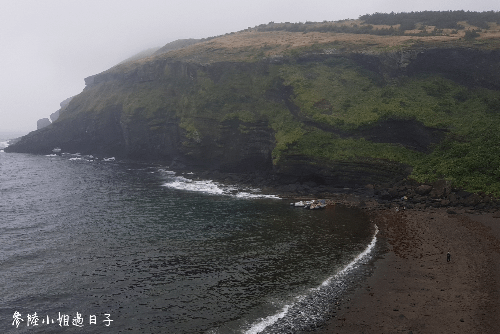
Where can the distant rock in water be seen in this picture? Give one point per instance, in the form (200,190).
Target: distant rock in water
(43,122)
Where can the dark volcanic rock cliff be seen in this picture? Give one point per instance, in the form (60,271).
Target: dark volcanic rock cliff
(342,118)
(230,145)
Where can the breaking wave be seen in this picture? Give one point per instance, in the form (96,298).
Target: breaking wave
(309,309)
(211,187)
(3,144)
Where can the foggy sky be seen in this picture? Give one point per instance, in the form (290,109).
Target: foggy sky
(47,47)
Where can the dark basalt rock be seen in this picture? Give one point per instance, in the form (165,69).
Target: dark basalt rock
(423,189)
(408,133)
(237,146)
(466,66)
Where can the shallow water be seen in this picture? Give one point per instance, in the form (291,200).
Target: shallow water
(159,252)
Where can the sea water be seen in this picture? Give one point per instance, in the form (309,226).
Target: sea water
(93,246)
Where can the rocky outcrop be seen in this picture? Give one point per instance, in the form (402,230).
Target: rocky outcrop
(55,115)
(43,122)
(437,194)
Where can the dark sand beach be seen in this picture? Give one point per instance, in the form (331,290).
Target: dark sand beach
(413,289)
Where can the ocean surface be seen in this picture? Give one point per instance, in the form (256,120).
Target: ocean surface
(94,246)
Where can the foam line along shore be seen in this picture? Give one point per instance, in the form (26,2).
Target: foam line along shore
(311,309)
(415,289)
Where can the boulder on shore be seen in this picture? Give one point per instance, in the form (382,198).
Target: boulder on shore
(423,189)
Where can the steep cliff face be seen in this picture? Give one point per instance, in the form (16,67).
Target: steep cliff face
(146,114)
(334,118)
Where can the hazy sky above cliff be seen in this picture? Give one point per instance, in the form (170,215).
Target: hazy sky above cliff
(48,47)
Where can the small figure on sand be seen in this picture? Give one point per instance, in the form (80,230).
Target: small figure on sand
(448,257)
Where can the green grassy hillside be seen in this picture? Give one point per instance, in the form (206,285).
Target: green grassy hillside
(315,103)
(348,98)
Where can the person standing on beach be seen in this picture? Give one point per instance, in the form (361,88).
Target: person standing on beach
(448,257)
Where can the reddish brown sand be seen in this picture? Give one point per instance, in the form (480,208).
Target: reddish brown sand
(415,290)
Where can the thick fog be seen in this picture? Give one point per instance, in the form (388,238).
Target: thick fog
(48,47)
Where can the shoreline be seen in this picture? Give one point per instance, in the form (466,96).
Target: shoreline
(413,289)
(311,308)
(410,287)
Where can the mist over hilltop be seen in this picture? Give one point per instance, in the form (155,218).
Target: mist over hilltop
(49,47)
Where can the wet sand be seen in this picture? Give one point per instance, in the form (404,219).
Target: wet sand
(413,289)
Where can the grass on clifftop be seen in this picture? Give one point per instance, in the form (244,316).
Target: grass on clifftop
(290,39)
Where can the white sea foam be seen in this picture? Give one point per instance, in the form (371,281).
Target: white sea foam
(354,262)
(168,172)
(298,303)
(261,325)
(211,187)
(182,183)
(3,144)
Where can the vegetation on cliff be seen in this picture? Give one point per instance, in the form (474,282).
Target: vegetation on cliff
(427,23)
(319,103)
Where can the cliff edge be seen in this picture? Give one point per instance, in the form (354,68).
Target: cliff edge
(310,106)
